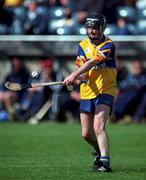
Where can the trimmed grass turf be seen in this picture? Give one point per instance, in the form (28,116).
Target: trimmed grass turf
(57,152)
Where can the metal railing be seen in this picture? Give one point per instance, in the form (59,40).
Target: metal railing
(69,38)
(66,45)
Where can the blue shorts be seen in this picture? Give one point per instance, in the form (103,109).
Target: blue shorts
(88,105)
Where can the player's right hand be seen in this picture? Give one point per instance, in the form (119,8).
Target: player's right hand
(69,80)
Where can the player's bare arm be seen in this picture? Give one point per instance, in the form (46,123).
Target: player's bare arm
(82,69)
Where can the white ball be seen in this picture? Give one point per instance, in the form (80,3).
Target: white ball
(34,74)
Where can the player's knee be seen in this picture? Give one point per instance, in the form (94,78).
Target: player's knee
(86,135)
(98,128)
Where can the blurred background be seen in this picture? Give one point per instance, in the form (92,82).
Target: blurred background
(43,35)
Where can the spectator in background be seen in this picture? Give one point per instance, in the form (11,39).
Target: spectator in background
(6,18)
(35,98)
(130,2)
(67,8)
(132,91)
(122,26)
(107,8)
(36,21)
(53,3)
(122,71)
(81,11)
(139,115)
(60,17)
(18,74)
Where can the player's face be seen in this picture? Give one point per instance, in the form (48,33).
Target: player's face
(94,33)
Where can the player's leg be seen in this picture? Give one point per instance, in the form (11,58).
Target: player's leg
(87,129)
(101,116)
(89,135)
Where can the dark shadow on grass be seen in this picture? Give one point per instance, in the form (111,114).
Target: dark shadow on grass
(122,170)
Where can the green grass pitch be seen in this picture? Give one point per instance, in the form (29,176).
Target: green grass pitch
(57,152)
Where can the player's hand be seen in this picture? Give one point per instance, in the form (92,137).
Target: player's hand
(69,80)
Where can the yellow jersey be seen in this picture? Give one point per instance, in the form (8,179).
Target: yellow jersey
(102,77)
